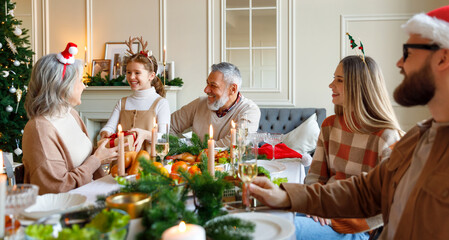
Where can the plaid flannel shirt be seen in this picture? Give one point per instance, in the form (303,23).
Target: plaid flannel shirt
(341,154)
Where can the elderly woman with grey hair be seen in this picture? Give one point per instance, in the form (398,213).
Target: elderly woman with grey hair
(223,103)
(57,152)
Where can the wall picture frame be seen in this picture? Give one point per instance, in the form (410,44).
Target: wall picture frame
(102,66)
(169,70)
(117,53)
(112,48)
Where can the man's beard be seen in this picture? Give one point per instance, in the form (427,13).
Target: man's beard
(218,103)
(416,89)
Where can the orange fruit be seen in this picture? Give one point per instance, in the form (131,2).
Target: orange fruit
(143,154)
(194,170)
(164,172)
(177,166)
(158,165)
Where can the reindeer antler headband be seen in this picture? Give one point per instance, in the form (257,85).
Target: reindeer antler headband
(144,52)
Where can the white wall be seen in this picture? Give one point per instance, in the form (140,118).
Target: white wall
(318,37)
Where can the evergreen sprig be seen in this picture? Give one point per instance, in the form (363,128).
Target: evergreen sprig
(177,146)
(97,80)
(229,228)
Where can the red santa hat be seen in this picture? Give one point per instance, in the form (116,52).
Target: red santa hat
(434,25)
(67,56)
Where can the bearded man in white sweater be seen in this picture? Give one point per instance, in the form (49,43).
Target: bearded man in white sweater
(222,104)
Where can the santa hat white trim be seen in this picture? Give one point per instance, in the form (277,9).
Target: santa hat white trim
(429,27)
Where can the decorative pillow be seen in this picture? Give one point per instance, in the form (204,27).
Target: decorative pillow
(304,137)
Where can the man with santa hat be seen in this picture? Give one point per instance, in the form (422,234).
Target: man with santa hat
(411,189)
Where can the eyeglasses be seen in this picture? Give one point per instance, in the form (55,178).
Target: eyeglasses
(430,47)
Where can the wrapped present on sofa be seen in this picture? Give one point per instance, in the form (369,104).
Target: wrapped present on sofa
(129,138)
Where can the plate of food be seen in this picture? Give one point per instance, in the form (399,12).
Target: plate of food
(268,226)
(48,204)
(272,167)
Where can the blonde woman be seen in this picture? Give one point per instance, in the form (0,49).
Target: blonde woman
(353,141)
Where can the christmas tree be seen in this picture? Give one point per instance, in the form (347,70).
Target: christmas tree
(15,72)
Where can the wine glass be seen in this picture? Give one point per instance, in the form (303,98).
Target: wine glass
(273,139)
(19,197)
(247,165)
(162,145)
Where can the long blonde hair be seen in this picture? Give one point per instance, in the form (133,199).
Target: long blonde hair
(367,107)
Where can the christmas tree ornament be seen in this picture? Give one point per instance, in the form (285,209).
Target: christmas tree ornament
(9,108)
(17,31)
(12,89)
(11,12)
(16,63)
(19,96)
(21,131)
(11,45)
(26,88)
(5,73)
(1,45)
(18,151)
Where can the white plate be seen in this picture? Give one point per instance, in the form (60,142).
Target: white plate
(48,204)
(268,226)
(272,167)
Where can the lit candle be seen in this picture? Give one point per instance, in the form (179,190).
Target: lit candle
(233,142)
(2,197)
(184,232)
(163,57)
(153,139)
(85,56)
(121,152)
(211,155)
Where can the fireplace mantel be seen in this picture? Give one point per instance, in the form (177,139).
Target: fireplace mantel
(98,102)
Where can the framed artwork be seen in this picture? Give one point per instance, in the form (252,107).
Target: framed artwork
(117,53)
(113,48)
(169,70)
(102,66)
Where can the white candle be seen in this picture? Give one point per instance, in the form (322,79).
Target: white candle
(163,57)
(85,56)
(2,197)
(184,232)
(233,142)
(153,138)
(211,155)
(121,152)
(1,162)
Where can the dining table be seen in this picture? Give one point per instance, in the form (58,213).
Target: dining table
(290,168)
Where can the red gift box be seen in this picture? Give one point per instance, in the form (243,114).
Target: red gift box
(129,137)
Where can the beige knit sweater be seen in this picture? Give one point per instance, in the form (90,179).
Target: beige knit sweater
(197,115)
(47,161)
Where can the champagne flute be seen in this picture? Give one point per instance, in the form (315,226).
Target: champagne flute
(247,165)
(273,139)
(19,197)
(162,145)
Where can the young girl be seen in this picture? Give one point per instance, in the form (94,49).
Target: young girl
(137,111)
(353,141)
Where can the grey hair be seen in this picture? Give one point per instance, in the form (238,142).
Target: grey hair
(231,73)
(48,94)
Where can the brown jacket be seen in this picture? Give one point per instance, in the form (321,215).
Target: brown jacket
(47,160)
(426,215)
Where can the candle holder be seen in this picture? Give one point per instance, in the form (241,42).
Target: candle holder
(132,203)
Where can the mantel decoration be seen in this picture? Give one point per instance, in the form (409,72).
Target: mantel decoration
(15,72)
(116,55)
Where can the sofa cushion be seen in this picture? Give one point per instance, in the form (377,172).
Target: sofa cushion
(303,139)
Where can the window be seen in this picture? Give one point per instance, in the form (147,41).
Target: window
(251,42)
